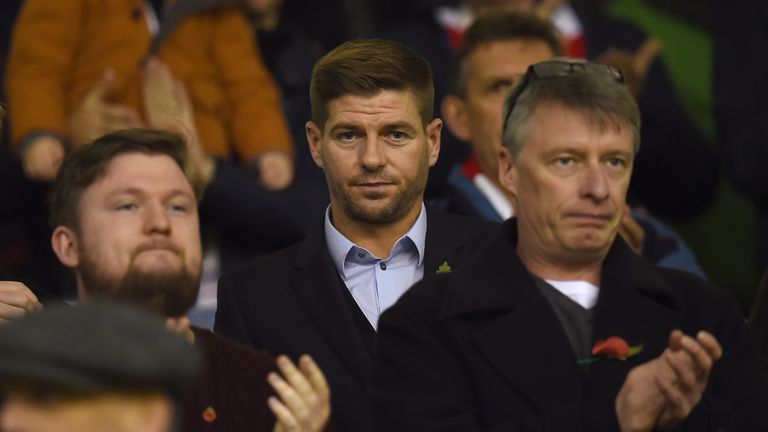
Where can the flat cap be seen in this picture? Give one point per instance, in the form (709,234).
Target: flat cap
(96,347)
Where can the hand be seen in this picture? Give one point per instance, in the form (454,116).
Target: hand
(42,157)
(181,327)
(686,365)
(304,403)
(662,392)
(631,231)
(634,66)
(167,107)
(16,300)
(96,116)
(546,8)
(640,402)
(276,169)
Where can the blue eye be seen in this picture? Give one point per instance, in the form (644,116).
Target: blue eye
(127,206)
(347,136)
(565,161)
(398,136)
(617,162)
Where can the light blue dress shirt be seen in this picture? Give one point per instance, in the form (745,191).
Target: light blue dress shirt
(376,283)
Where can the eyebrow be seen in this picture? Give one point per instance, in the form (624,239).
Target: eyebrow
(387,126)
(141,193)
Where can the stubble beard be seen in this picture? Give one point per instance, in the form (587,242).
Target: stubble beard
(392,209)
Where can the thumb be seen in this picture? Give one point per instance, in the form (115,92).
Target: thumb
(104,86)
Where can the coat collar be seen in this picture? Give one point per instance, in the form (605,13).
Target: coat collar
(522,338)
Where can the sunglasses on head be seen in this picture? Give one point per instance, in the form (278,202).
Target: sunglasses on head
(558,69)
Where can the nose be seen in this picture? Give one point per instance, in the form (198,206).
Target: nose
(594,182)
(372,155)
(156,218)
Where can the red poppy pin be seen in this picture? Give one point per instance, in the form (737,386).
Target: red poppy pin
(613,347)
(209,415)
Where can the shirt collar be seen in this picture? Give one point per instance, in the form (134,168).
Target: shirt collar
(339,246)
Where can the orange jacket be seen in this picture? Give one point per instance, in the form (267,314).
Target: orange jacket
(61,48)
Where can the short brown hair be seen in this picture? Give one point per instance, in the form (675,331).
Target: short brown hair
(366,67)
(501,27)
(601,96)
(82,167)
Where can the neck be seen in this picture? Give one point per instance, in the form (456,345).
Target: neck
(377,238)
(560,268)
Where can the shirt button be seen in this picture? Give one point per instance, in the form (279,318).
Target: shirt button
(383,266)
(361,254)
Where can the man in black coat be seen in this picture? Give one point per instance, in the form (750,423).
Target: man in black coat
(555,324)
(374,136)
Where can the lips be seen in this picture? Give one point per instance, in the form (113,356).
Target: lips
(590,218)
(157,246)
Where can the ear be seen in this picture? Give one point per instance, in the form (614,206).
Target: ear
(455,114)
(433,131)
(314,139)
(65,246)
(508,174)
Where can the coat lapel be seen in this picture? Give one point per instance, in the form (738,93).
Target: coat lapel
(444,243)
(635,304)
(523,339)
(318,285)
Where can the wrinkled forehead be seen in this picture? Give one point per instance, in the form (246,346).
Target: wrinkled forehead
(384,106)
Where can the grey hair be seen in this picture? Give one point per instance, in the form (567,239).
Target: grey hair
(607,102)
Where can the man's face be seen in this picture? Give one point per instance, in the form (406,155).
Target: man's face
(492,69)
(139,235)
(109,412)
(376,154)
(570,182)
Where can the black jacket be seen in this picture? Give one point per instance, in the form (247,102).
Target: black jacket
(293,302)
(481,349)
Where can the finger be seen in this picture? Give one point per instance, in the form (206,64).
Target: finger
(285,419)
(645,55)
(315,376)
(677,405)
(19,295)
(119,112)
(675,340)
(295,377)
(10,312)
(710,344)
(702,361)
(289,397)
(686,372)
(102,88)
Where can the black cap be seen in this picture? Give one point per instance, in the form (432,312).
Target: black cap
(96,347)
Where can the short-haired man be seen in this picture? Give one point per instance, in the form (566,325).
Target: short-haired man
(556,324)
(494,53)
(95,367)
(373,134)
(125,218)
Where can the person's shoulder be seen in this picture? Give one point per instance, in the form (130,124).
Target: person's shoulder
(218,348)
(275,262)
(687,284)
(701,300)
(452,224)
